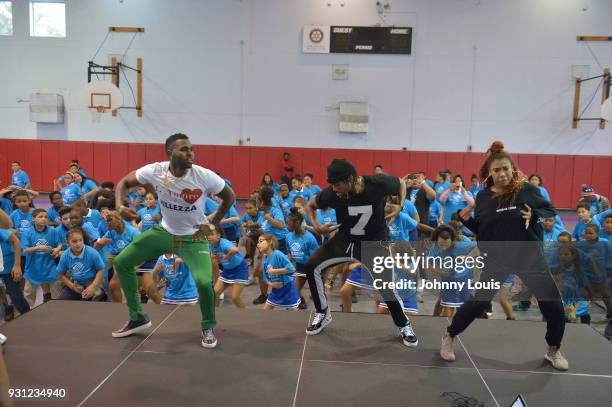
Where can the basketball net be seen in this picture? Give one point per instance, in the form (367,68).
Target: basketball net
(96,113)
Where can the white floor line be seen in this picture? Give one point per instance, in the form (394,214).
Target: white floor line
(601,376)
(476,367)
(297,385)
(126,358)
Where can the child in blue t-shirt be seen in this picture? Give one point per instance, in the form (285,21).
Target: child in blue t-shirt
(401,226)
(358,277)
(150,213)
(278,273)
(406,276)
(71,191)
(273,221)
(137,197)
(19,176)
(119,235)
(435,210)
(12,274)
(445,245)
(235,270)
(38,245)
(283,200)
(583,210)
(299,189)
(476,186)
(22,215)
(600,252)
(454,199)
(570,278)
(86,270)
(327,220)
(57,203)
(301,244)
(180,287)
(606,232)
(307,181)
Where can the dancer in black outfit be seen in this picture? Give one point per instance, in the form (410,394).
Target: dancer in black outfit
(509,210)
(359,203)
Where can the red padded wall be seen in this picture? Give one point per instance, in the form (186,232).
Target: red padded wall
(45,160)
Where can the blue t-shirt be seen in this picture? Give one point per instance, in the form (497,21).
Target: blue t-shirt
(580,226)
(301,247)
(181,286)
(61,234)
(53,215)
(435,209)
(91,232)
(40,266)
(326,216)
(71,193)
(401,227)
(147,217)
(440,187)
(409,208)
(277,260)
(460,272)
(304,192)
(601,217)
(544,193)
(600,252)
(266,226)
(134,198)
(88,186)
(210,206)
(454,202)
(84,267)
(284,204)
(20,178)
(223,248)
(6,205)
(235,226)
(22,221)
(475,189)
(8,254)
(121,240)
(93,217)
(314,189)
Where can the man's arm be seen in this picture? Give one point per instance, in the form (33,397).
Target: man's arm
(227,199)
(121,194)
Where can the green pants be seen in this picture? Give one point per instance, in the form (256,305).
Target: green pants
(152,244)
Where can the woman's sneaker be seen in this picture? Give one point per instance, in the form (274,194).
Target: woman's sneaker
(556,359)
(261,299)
(209,340)
(303,304)
(132,327)
(320,321)
(408,336)
(446,350)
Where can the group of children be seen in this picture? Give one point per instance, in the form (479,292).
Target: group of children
(68,249)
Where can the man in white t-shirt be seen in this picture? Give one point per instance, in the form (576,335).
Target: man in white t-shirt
(182,188)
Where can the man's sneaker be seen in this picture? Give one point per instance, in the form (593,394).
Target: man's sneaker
(132,327)
(303,304)
(261,299)
(446,350)
(556,359)
(9,313)
(320,321)
(408,336)
(354,299)
(209,340)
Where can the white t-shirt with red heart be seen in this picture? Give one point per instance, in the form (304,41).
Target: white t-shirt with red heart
(181,200)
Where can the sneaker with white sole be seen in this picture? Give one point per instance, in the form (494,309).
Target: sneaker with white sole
(408,336)
(556,359)
(446,350)
(132,327)
(320,321)
(209,340)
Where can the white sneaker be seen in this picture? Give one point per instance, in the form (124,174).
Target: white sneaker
(320,321)
(556,359)
(446,350)
(209,340)
(408,336)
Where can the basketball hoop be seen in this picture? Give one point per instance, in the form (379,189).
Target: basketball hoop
(100,96)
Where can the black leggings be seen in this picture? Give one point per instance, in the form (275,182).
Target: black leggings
(339,249)
(541,284)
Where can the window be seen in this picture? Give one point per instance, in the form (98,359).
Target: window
(6,18)
(47,18)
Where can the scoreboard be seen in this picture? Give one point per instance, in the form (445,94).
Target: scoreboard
(357,40)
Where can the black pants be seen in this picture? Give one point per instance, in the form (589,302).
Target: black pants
(338,250)
(540,283)
(15,291)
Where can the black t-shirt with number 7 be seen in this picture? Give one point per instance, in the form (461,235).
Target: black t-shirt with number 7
(362,215)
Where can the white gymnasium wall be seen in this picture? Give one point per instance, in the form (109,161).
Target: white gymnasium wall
(480,69)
